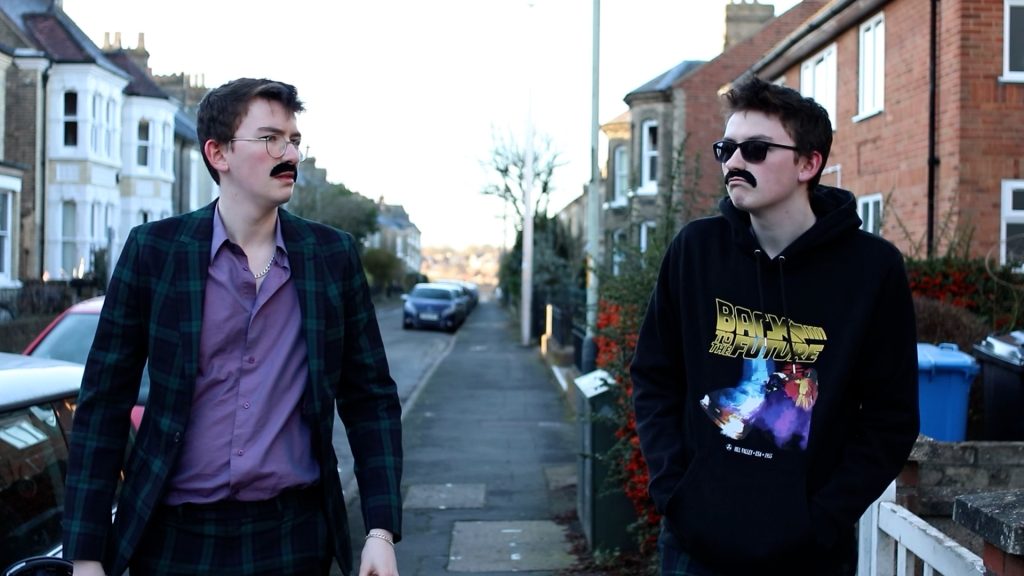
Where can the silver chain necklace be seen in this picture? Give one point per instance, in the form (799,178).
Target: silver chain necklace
(265,270)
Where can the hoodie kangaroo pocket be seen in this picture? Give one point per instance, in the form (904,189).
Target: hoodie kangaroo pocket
(738,510)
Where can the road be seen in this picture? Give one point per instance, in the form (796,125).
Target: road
(412,357)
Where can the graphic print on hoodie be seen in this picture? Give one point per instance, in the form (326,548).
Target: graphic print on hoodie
(779,402)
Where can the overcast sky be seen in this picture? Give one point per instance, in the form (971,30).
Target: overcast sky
(404,97)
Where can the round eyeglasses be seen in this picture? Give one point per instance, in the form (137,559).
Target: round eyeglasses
(277,145)
(753,151)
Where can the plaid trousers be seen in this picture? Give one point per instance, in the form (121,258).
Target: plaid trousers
(286,535)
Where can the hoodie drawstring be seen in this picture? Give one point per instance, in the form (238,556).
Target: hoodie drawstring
(782,293)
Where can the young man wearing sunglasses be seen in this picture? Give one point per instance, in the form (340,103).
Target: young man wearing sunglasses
(258,327)
(775,374)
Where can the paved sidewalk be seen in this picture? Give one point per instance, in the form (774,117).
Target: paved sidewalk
(490,460)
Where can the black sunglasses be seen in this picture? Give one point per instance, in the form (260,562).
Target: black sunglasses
(753,151)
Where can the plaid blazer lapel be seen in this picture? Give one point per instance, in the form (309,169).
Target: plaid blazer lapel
(191,268)
(301,245)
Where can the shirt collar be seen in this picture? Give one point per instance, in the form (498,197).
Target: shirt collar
(220,234)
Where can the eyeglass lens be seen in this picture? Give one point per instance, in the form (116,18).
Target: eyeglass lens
(752,150)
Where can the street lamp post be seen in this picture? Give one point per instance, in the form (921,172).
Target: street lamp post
(589,352)
(526,286)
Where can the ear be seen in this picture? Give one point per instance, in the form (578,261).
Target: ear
(214,152)
(809,166)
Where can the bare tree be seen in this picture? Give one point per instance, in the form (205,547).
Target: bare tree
(507,165)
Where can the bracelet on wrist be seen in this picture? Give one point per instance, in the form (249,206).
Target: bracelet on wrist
(380,534)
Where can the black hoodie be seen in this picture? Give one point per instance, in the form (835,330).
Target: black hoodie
(775,398)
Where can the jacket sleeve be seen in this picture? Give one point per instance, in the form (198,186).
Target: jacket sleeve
(99,436)
(369,406)
(887,423)
(658,376)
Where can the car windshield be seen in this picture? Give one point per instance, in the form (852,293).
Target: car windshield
(432,293)
(70,339)
(31,482)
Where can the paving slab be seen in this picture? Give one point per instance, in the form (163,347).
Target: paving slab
(445,496)
(522,546)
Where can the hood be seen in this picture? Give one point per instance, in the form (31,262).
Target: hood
(835,209)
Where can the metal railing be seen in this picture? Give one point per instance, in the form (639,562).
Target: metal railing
(893,539)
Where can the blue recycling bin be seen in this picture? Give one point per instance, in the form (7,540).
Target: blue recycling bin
(944,384)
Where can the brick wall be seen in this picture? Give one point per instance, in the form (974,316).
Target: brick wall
(24,101)
(938,472)
(888,153)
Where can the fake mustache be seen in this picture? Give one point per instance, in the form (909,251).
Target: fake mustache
(747,176)
(282,168)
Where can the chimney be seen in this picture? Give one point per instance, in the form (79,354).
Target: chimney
(139,55)
(743,18)
(106,41)
(117,40)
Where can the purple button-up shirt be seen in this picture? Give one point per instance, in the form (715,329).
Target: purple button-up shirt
(246,439)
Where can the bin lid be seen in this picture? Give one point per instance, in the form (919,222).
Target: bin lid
(945,356)
(1007,347)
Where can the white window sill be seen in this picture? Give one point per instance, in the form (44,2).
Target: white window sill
(865,115)
(649,190)
(1012,78)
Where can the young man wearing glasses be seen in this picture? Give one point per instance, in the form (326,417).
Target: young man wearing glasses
(775,374)
(256,325)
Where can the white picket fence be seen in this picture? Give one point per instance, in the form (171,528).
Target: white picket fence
(893,540)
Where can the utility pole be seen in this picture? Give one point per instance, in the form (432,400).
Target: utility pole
(526,290)
(589,352)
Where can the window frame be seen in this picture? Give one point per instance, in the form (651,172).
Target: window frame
(871,222)
(70,119)
(1007,215)
(6,234)
(648,157)
(810,82)
(647,227)
(1010,75)
(620,183)
(871,68)
(143,146)
(69,237)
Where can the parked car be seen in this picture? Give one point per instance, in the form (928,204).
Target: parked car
(433,305)
(469,291)
(37,402)
(69,337)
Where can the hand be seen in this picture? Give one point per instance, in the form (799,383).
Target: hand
(378,559)
(88,568)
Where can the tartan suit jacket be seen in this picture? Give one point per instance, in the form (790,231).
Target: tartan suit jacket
(153,310)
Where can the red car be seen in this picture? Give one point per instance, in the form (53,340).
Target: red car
(69,337)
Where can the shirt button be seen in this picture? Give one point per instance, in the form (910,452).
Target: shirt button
(245,405)
(240,452)
(252,359)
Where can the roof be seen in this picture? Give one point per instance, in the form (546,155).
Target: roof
(185,127)
(665,80)
(141,83)
(26,380)
(52,31)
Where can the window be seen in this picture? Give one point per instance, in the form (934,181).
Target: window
(165,151)
(618,250)
(649,157)
(818,80)
(96,121)
(1011,234)
(108,136)
(6,248)
(71,118)
(869,208)
(142,157)
(621,174)
(872,67)
(646,234)
(69,252)
(1013,45)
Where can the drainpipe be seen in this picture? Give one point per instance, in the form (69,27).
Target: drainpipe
(933,159)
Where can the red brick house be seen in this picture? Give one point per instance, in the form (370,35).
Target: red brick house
(927,100)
